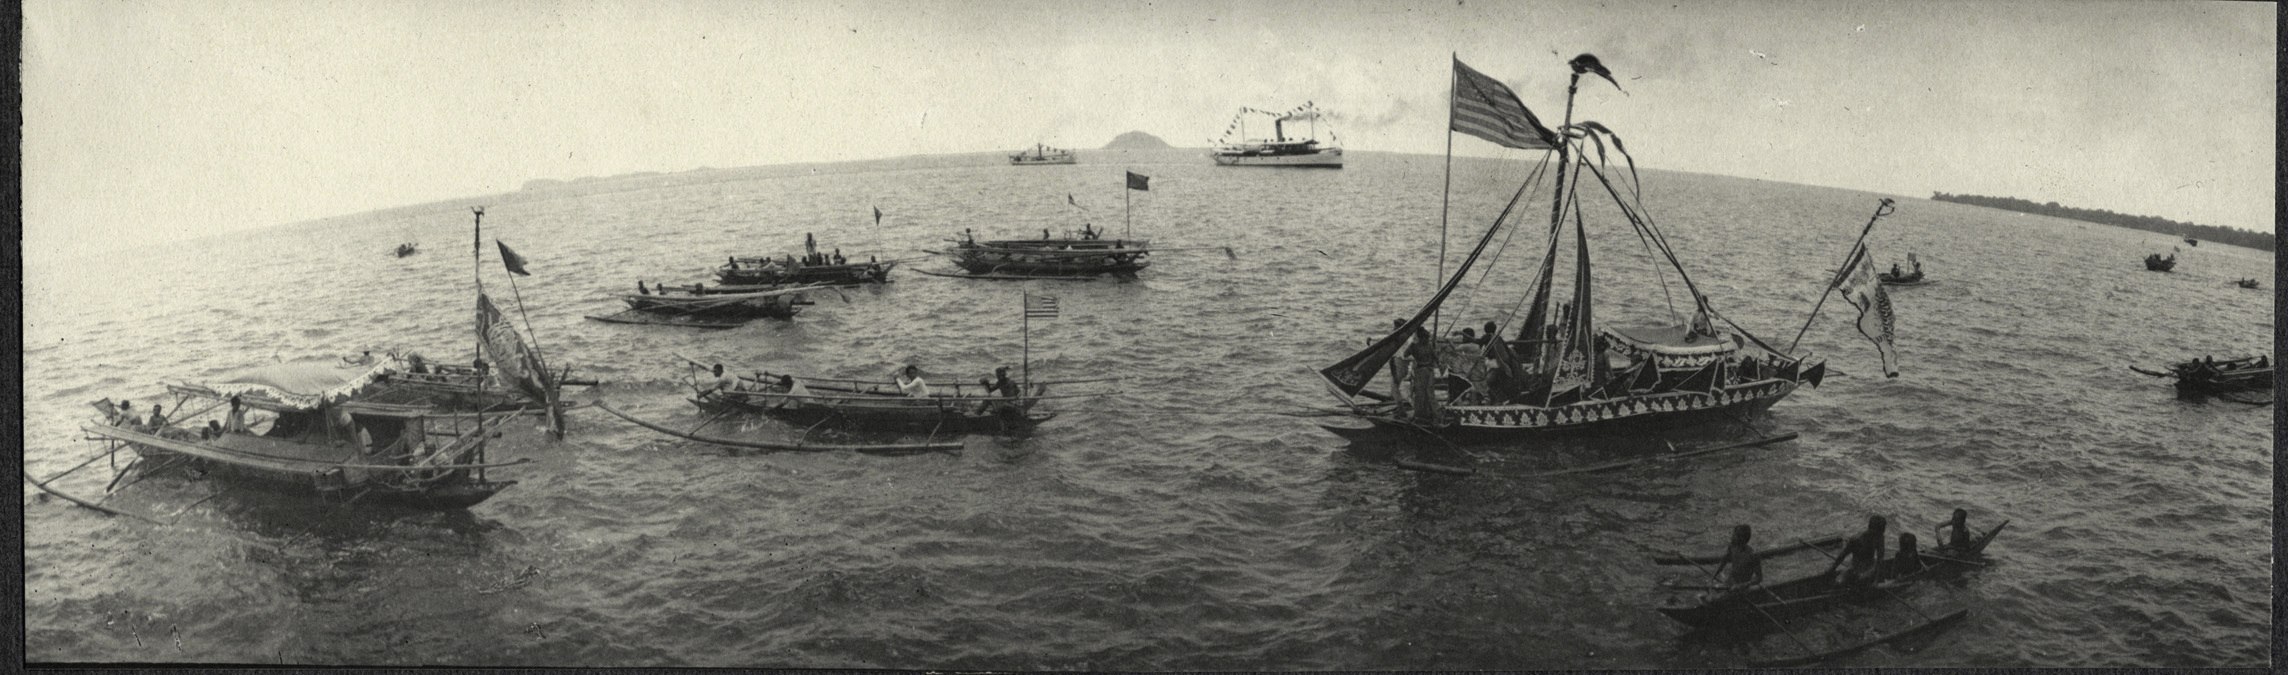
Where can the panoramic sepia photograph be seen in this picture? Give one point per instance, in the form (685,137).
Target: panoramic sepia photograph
(1181,335)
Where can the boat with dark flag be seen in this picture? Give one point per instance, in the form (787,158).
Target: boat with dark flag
(2207,375)
(2155,263)
(1084,254)
(1564,368)
(306,427)
(1303,150)
(1041,154)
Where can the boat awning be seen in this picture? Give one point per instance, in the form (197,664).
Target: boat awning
(304,384)
(1669,341)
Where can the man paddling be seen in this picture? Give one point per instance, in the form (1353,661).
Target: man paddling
(1865,553)
(1741,567)
(1957,533)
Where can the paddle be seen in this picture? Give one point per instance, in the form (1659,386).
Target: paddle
(1886,590)
(1759,610)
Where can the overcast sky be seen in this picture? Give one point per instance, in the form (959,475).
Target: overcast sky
(166,119)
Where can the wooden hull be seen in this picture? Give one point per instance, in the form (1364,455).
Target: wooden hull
(1053,257)
(454,489)
(867,412)
(1331,158)
(717,305)
(1041,161)
(1668,409)
(861,273)
(1755,608)
(2247,380)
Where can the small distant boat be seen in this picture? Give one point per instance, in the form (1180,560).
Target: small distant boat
(1279,150)
(2210,376)
(407,249)
(723,301)
(875,405)
(1041,154)
(812,267)
(2248,283)
(1898,278)
(2155,263)
(1084,256)
(2189,241)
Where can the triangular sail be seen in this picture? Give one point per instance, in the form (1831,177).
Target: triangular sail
(1352,374)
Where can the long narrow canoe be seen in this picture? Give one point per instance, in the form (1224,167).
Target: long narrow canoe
(639,317)
(1757,606)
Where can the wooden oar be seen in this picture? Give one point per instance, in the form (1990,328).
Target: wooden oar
(2148,372)
(1877,584)
(92,505)
(1760,610)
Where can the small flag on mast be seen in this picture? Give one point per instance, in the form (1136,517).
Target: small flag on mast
(1137,181)
(1040,306)
(509,258)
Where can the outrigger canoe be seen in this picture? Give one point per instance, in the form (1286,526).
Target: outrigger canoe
(1758,607)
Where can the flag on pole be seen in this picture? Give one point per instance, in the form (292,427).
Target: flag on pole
(1137,181)
(1040,306)
(513,364)
(509,258)
(1860,286)
(1485,108)
(877,215)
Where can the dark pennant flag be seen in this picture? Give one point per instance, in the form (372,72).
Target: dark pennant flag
(509,258)
(1137,181)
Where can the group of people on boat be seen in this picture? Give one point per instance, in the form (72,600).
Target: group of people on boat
(1481,368)
(123,415)
(908,380)
(1862,561)
(1898,275)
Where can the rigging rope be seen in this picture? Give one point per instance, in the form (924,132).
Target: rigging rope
(1470,297)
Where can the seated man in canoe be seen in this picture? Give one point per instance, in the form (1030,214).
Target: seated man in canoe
(1741,567)
(1864,553)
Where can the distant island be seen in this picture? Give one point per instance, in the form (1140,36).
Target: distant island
(2221,235)
(1137,140)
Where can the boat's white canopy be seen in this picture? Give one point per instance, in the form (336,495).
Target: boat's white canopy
(301,384)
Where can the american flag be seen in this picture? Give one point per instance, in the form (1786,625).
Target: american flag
(1484,108)
(1040,306)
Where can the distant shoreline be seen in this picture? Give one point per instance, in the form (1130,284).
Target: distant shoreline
(2209,233)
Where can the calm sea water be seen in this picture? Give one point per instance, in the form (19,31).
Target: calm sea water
(1182,523)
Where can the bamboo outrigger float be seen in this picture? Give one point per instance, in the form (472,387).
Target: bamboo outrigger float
(321,441)
(1565,370)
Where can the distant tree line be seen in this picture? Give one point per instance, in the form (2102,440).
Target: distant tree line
(2221,235)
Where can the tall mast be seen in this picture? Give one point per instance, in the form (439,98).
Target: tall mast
(1445,194)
